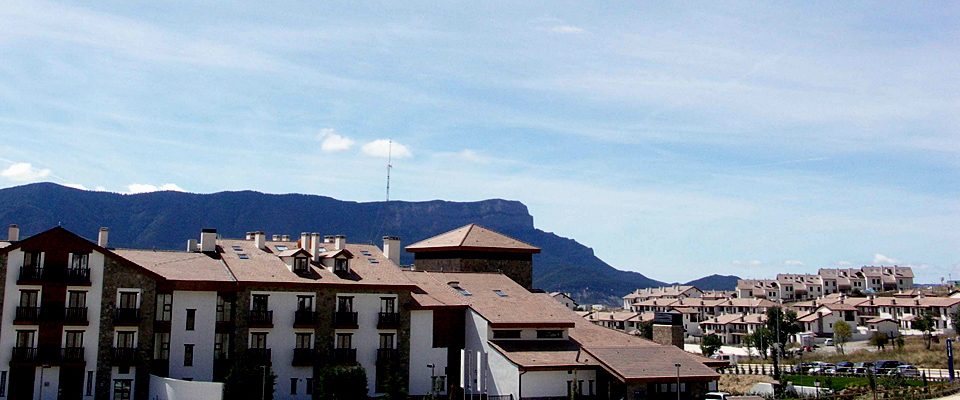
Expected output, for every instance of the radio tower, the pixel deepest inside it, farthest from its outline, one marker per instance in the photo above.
(389, 167)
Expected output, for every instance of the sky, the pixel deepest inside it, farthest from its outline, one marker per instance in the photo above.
(676, 140)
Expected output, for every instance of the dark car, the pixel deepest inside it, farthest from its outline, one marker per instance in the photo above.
(844, 367)
(886, 366)
(862, 368)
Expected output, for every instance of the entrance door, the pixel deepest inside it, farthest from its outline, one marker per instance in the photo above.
(71, 383)
(21, 382)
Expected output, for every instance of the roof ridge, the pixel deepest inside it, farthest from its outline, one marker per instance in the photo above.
(467, 233)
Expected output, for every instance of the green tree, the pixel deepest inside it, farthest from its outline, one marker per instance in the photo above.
(781, 325)
(646, 330)
(842, 332)
(761, 340)
(879, 340)
(245, 381)
(748, 343)
(898, 342)
(710, 344)
(394, 387)
(925, 325)
(341, 383)
(955, 320)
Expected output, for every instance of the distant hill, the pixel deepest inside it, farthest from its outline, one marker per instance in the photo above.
(716, 282)
(165, 220)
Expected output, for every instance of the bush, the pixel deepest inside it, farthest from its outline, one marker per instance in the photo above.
(341, 383)
(245, 381)
(710, 344)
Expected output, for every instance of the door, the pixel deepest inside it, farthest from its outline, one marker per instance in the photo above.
(21, 382)
(71, 383)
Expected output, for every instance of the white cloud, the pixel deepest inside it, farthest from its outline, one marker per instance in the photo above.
(100, 189)
(331, 142)
(750, 263)
(135, 188)
(884, 260)
(472, 156)
(844, 263)
(76, 186)
(566, 29)
(382, 147)
(24, 172)
(794, 263)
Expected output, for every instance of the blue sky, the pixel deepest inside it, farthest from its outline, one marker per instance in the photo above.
(677, 141)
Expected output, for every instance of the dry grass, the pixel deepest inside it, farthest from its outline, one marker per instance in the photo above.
(740, 384)
(914, 352)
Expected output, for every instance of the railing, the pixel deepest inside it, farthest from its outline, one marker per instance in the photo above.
(304, 317)
(28, 314)
(124, 355)
(67, 275)
(75, 314)
(31, 274)
(259, 356)
(126, 316)
(71, 354)
(345, 356)
(387, 355)
(261, 317)
(388, 320)
(303, 357)
(24, 354)
(343, 319)
(77, 275)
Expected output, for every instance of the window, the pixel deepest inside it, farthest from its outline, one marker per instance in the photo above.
(76, 299)
(300, 264)
(373, 261)
(121, 389)
(161, 348)
(31, 259)
(386, 340)
(164, 307)
(345, 304)
(128, 300)
(388, 305)
(461, 290)
(293, 385)
(506, 334)
(221, 346)
(25, 338)
(188, 355)
(258, 340)
(439, 384)
(191, 319)
(28, 298)
(281, 248)
(260, 302)
(73, 339)
(125, 339)
(237, 249)
(304, 303)
(551, 334)
(79, 260)
(224, 309)
(243, 256)
(500, 293)
(364, 252)
(304, 341)
(89, 383)
(344, 340)
(341, 266)
(3, 384)
(309, 388)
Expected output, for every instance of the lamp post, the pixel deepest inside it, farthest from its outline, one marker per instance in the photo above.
(816, 386)
(678, 379)
(433, 380)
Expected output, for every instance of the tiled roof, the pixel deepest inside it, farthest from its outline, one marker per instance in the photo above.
(533, 354)
(472, 237)
(651, 363)
(180, 265)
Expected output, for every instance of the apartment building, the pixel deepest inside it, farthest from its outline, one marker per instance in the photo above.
(732, 328)
(82, 320)
(665, 293)
(800, 287)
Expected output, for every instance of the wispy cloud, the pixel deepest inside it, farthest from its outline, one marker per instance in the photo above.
(24, 172)
(880, 259)
(794, 263)
(383, 148)
(566, 29)
(752, 263)
(331, 142)
(75, 186)
(844, 263)
(135, 188)
(472, 156)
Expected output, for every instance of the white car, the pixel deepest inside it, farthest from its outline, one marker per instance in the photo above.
(908, 371)
(716, 396)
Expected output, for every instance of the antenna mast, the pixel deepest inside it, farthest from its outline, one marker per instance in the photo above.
(389, 167)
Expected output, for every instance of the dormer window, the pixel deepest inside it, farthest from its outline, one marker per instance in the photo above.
(300, 265)
(549, 334)
(341, 266)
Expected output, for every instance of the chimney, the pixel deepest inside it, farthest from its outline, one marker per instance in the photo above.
(285, 238)
(341, 241)
(305, 240)
(315, 246)
(249, 235)
(391, 248)
(102, 237)
(328, 239)
(191, 245)
(260, 239)
(13, 234)
(208, 240)
(275, 238)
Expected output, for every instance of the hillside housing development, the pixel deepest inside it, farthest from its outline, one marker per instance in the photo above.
(82, 320)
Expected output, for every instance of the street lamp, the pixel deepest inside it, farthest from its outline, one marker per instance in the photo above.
(816, 386)
(678, 379)
(433, 380)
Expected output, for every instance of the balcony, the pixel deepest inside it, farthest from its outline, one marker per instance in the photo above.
(304, 319)
(27, 315)
(75, 315)
(387, 355)
(345, 320)
(74, 276)
(124, 355)
(388, 320)
(345, 356)
(48, 355)
(127, 316)
(71, 354)
(24, 354)
(261, 318)
(259, 356)
(30, 275)
(77, 276)
(304, 357)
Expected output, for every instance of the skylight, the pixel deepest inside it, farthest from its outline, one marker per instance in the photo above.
(373, 261)
(500, 293)
(243, 256)
(237, 248)
(281, 248)
(462, 291)
(364, 252)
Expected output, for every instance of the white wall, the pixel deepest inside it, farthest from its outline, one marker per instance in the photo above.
(366, 339)
(475, 347)
(202, 337)
(554, 383)
(422, 352)
(282, 339)
(504, 375)
(175, 389)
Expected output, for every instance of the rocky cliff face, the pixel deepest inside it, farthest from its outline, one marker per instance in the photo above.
(165, 220)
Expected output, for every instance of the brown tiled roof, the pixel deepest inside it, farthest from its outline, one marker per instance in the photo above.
(433, 293)
(879, 319)
(472, 237)
(651, 363)
(180, 265)
(840, 307)
(544, 354)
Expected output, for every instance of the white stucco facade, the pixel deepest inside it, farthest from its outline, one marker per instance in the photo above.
(422, 353)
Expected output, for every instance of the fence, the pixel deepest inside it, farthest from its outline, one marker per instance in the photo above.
(932, 375)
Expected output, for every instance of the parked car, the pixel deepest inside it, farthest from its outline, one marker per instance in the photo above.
(863, 368)
(828, 342)
(716, 396)
(808, 367)
(885, 366)
(844, 367)
(907, 371)
(821, 369)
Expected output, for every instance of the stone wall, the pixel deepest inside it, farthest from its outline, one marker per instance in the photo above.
(117, 276)
(668, 335)
(518, 267)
